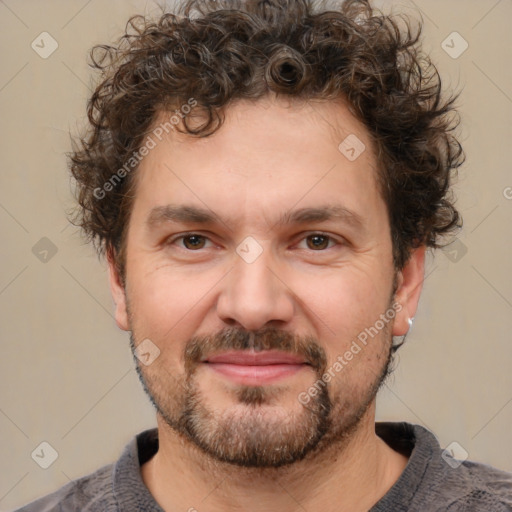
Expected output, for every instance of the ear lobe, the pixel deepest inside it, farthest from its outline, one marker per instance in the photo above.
(410, 284)
(118, 295)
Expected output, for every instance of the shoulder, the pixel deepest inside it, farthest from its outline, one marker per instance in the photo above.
(114, 487)
(91, 493)
(474, 486)
(435, 481)
(464, 485)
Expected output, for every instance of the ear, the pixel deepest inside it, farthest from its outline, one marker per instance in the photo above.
(118, 294)
(410, 283)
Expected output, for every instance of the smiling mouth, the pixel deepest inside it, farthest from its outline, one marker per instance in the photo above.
(255, 368)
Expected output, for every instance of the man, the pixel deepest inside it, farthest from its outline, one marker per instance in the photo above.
(265, 178)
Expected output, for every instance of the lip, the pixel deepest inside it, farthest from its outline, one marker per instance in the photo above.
(253, 358)
(255, 368)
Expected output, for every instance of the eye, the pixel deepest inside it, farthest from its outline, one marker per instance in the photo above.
(319, 242)
(192, 241)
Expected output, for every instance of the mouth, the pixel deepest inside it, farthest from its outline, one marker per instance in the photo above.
(255, 368)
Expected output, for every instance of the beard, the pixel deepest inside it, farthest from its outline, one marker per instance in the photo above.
(259, 432)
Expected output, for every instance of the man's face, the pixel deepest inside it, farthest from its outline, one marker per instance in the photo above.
(254, 258)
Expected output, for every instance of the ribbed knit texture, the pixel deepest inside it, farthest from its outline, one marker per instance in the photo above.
(428, 483)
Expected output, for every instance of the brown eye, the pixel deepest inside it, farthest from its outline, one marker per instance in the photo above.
(193, 242)
(317, 242)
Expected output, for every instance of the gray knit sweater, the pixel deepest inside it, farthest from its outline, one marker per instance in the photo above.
(430, 482)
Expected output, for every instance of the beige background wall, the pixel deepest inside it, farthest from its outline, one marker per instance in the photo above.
(67, 376)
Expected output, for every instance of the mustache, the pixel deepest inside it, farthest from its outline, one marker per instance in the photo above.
(200, 347)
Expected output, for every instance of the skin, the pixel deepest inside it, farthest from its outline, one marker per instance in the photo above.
(270, 157)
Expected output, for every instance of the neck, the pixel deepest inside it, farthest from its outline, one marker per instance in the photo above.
(351, 475)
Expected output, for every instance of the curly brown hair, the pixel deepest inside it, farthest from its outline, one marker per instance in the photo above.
(219, 51)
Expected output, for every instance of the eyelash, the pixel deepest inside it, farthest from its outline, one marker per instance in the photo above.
(315, 233)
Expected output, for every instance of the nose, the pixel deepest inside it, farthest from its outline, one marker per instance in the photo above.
(255, 295)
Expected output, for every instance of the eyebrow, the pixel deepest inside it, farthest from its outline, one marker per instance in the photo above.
(184, 214)
(322, 214)
(196, 215)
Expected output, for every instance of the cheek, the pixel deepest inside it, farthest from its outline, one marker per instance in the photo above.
(168, 307)
(343, 304)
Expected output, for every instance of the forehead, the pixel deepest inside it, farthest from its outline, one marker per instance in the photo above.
(267, 156)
